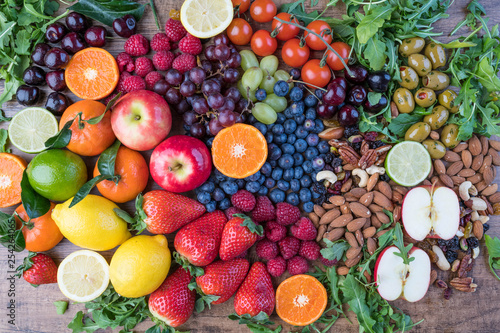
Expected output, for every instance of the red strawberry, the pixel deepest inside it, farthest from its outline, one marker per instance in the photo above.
(38, 268)
(173, 301)
(256, 293)
(162, 212)
(239, 234)
(199, 241)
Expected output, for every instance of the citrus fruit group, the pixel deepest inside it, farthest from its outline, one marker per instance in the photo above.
(11, 174)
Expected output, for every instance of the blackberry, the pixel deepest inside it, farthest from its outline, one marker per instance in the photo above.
(472, 242)
(328, 168)
(351, 130)
(384, 178)
(375, 144)
(486, 227)
(329, 157)
(451, 256)
(356, 145)
(319, 188)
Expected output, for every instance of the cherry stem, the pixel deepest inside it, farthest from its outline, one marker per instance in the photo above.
(309, 84)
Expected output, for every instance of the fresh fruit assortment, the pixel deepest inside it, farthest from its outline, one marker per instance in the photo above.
(364, 162)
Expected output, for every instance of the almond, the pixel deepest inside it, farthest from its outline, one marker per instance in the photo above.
(488, 175)
(372, 181)
(366, 199)
(349, 197)
(375, 208)
(396, 213)
(494, 156)
(446, 180)
(457, 180)
(494, 198)
(321, 232)
(484, 145)
(349, 167)
(358, 192)
(454, 168)
(356, 224)
(434, 135)
(341, 221)
(359, 210)
(367, 224)
(382, 200)
(434, 276)
(475, 179)
(337, 200)
(466, 159)
(385, 189)
(477, 161)
(320, 211)
(480, 186)
(352, 262)
(314, 218)
(477, 229)
(487, 160)
(332, 133)
(351, 239)
(400, 189)
(375, 221)
(494, 144)
(359, 236)
(467, 173)
(383, 218)
(490, 189)
(347, 185)
(475, 146)
(371, 245)
(353, 252)
(451, 156)
(342, 270)
(381, 232)
(369, 232)
(460, 147)
(489, 207)
(344, 209)
(439, 167)
(328, 206)
(329, 216)
(334, 234)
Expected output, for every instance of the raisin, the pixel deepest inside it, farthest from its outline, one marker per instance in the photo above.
(319, 188)
(376, 144)
(356, 145)
(486, 227)
(370, 136)
(351, 130)
(329, 158)
(473, 242)
(384, 177)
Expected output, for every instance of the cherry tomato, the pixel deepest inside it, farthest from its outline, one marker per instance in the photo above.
(293, 54)
(285, 31)
(321, 28)
(263, 10)
(243, 5)
(239, 32)
(263, 44)
(333, 61)
(314, 74)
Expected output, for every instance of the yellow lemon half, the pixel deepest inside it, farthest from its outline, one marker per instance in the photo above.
(206, 18)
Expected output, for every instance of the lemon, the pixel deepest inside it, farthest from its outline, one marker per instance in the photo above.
(31, 127)
(83, 275)
(408, 163)
(206, 18)
(140, 265)
(91, 223)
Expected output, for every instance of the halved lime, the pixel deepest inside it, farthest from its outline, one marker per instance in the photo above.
(30, 128)
(408, 163)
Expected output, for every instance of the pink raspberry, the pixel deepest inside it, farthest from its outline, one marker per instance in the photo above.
(274, 231)
(304, 229)
(309, 250)
(327, 262)
(264, 210)
(231, 211)
(174, 30)
(143, 66)
(160, 42)
(190, 44)
(162, 60)
(266, 249)
(286, 214)
(289, 246)
(297, 265)
(277, 266)
(133, 83)
(137, 45)
(184, 62)
(151, 79)
(243, 200)
(125, 62)
(119, 86)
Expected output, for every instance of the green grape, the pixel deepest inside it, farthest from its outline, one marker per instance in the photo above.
(282, 75)
(243, 92)
(264, 113)
(269, 64)
(277, 103)
(252, 77)
(248, 59)
(267, 83)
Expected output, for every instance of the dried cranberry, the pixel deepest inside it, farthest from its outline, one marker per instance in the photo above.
(370, 136)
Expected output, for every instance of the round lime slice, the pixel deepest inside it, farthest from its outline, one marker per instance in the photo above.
(408, 163)
(30, 128)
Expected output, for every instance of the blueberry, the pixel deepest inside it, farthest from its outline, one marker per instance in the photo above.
(281, 88)
(300, 145)
(274, 164)
(253, 178)
(286, 161)
(300, 119)
(274, 152)
(219, 176)
(211, 206)
(270, 126)
(298, 158)
(298, 172)
(309, 125)
(277, 195)
(288, 113)
(261, 127)
(241, 183)
(280, 138)
(305, 195)
(323, 147)
(308, 207)
(262, 179)
(295, 73)
(301, 132)
(319, 126)
(318, 163)
(208, 187)
(311, 153)
(262, 191)
(288, 174)
(310, 101)
(297, 108)
(312, 140)
(266, 169)
(290, 126)
(318, 93)
(229, 187)
(316, 195)
(295, 185)
(296, 94)
(203, 197)
(278, 129)
(291, 138)
(210, 141)
(251, 119)
(293, 199)
(280, 118)
(305, 181)
(269, 137)
(310, 113)
(287, 148)
(260, 94)
(277, 174)
(283, 185)
(269, 183)
(225, 204)
(307, 166)
(252, 187)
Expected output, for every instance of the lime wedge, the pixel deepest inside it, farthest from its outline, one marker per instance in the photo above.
(30, 128)
(408, 163)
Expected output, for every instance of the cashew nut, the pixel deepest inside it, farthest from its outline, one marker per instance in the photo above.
(474, 216)
(475, 252)
(483, 219)
(442, 263)
(478, 204)
(459, 233)
(375, 169)
(467, 189)
(326, 174)
(363, 177)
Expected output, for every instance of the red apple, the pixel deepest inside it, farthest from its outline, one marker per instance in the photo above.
(141, 120)
(180, 164)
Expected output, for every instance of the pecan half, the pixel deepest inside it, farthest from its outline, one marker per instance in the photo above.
(383, 149)
(338, 143)
(464, 284)
(465, 266)
(368, 159)
(364, 147)
(349, 155)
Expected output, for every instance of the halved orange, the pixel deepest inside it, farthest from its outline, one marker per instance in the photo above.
(301, 300)
(239, 151)
(11, 174)
(92, 73)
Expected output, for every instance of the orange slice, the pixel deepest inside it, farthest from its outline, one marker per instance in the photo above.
(301, 300)
(11, 174)
(92, 73)
(239, 151)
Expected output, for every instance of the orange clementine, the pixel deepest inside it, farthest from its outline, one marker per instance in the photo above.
(11, 174)
(133, 172)
(239, 151)
(87, 139)
(92, 73)
(301, 300)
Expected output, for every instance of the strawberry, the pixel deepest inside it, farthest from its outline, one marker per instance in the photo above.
(199, 241)
(173, 302)
(239, 234)
(256, 293)
(37, 269)
(162, 212)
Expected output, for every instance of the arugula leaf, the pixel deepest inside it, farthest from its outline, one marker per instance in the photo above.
(402, 123)
(256, 323)
(355, 295)
(404, 250)
(493, 246)
(34, 204)
(374, 53)
(372, 21)
(105, 11)
(3, 141)
(4, 118)
(61, 307)
(487, 76)
(334, 250)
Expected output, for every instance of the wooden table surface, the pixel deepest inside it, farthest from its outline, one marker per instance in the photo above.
(34, 312)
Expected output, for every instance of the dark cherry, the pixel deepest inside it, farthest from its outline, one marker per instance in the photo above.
(96, 36)
(55, 80)
(173, 96)
(76, 22)
(340, 80)
(34, 76)
(358, 74)
(382, 103)
(197, 130)
(173, 77)
(73, 43)
(210, 53)
(335, 94)
(357, 95)
(56, 103)
(38, 54)
(125, 26)
(325, 111)
(379, 81)
(27, 95)
(161, 87)
(348, 115)
(221, 39)
(55, 32)
(56, 58)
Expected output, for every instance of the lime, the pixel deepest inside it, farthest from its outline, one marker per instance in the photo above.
(30, 128)
(408, 163)
(57, 174)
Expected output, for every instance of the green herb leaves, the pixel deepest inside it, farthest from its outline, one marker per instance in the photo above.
(334, 250)
(105, 11)
(373, 20)
(493, 245)
(10, 237)
(404, 250)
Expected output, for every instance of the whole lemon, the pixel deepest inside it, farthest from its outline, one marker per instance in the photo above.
(140, 265)
(91, 223)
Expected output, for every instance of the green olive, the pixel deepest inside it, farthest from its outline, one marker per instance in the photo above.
(435, 148)
(425, 97)
(404, 100)
(449, 136)
(409, 78)
(436, 80)
(446, 99)
(438, 117)
(420, 63)
(418, 132)
(435, 53)
(410, 46)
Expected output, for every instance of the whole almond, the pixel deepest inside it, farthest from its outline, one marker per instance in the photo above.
(328, 205)
(383, 201)
(334, 234)
(329, 216)
(367, 277)
(349, 167)
(359, 236)
(366, 199)
(351, 239)
(457, 180)
(494, 156)
(359, 210)
(349, 197)
(484, 145)
(341, 221)
(434, 276)
(487, 160)
(320, 211)
(371, 245)
(475, 179)
(466, 159)
(332, 133)
(375, 208)
(446, 180)
(475, 146)
(372, 181)
(337, 200)
(477, 161)
(314, 218)
(431, 173)
(368, 223)
(434, 135)
(451, 156)
(477, 229)
(369, 232)
(454, 168)
(353, 252)
(460, 147)
(494, 144)
(400, 189)
(488, 175)
(383, 218)
(380, 233)
(358, 192)
(490, 189)
(385, 189)
(439, 167)
(356, 224)
(352, 262)
(489, 209)
(321, 232)
(427, 182)
(344, 209)
(396, 213)
(467, 173)
(347, 186)
(342, 270)
(480, 185)
(494, 198)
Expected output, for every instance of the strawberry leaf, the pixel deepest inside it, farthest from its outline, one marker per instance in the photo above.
(251, 225)
(184, 262)
(136, 222)
(27, 263)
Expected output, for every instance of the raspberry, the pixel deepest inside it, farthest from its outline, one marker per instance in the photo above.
(190, 44)
(264, 210)
(231, 211)
(274, 231)
(143, 66)
(276, 267)
(174, 30)
(151, 79)
(327, 262)
(137, 45)
(266, 249)
(125, 62)
(242, 255)
(133, 83)
(297, 265)
(162, 60)
(289, 246)
(304, 229)
(119, 86)
(286, 214)
(160, 42)
(243, 200)
(309, 250)
(184, 62)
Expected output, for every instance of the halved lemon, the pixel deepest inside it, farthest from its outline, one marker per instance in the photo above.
(83, 276)
(31, 127)
(206, 18)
